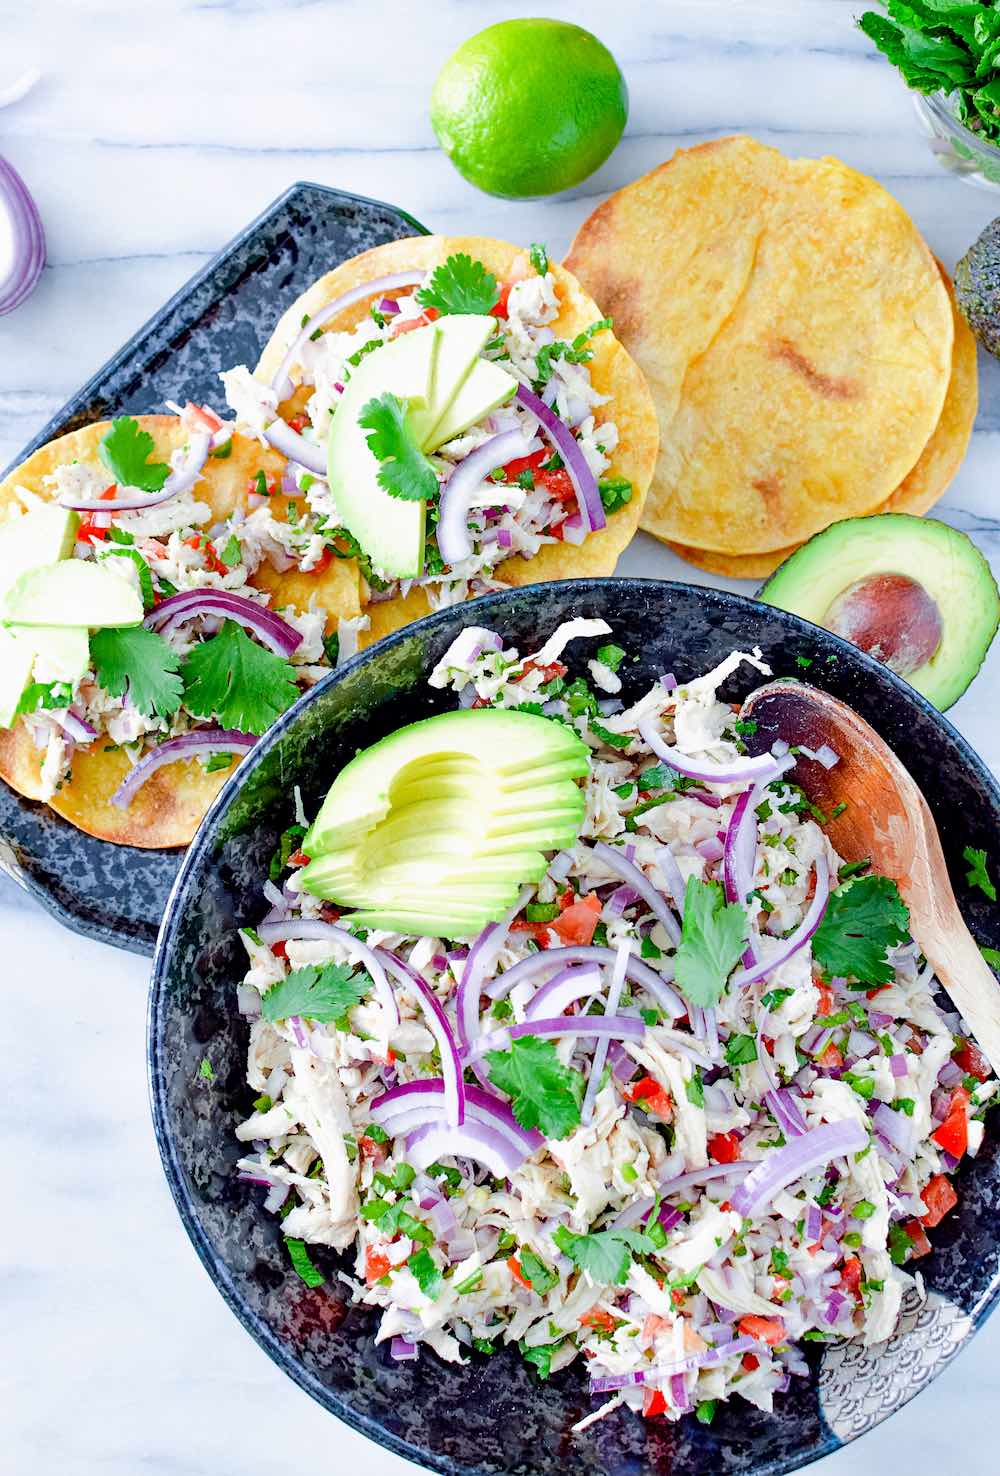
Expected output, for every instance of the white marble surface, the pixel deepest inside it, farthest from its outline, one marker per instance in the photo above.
(157, 132)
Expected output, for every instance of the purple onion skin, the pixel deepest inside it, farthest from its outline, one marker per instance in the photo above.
(28, 236)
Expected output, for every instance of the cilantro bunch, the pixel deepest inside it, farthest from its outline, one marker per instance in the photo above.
(944, 46)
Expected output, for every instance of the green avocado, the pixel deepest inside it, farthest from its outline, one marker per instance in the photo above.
(442, 822)
(913, 592)
(42, 536)
(72, 593)
(486, 388)
(977, 287)
(462, 338)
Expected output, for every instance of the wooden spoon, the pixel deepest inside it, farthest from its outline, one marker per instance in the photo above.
(886, 818)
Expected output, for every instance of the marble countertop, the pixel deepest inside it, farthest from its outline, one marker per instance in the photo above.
(154, 135)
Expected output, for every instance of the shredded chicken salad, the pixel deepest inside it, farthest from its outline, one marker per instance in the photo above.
(710, 1100)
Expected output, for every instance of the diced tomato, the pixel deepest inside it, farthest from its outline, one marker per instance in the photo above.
(915, 1042)
(921, 1245)
(514, 1267)
(556, 531)
(203, 416)
(826, 998)
(270, 486)
(972, 1061)
(953, 1134)
(322, 563)
(939, 1197)
(577, 924)
(724, 1147)
(499, 310)
(298, 858)
(279, 949)
(654, 1402)
(377, 1152)
(850, 1277)
(677, 1297)
(874, 993)
(598, 1318)
(407, 325)
(204, 546)
(549, 672)
(431, 313)
(539, 931)
(298, 422)
(513, 469)
(648, 1094)
(329, 913)
(832, 1058)
(750, 1363)
(769, 1330)
(557, 484)
(376, 1265)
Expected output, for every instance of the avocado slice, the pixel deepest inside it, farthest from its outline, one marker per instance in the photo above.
(487, 387)
(72, 593)
(462, 337)
(913, 592)
(424, 924)
(389, 529)
(438, 823)
(44, 535)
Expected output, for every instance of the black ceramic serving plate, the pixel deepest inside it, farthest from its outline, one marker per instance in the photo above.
(223, 316)
(494, 1416)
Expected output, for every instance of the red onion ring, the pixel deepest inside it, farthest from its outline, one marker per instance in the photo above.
(585, 486)
(281, 383)
(636, 878)
(577, 981)
(451, 1063)
(552, 958)
(601, 1049)
(810, 922)
(761, 770)
(452, 531)
(473, 1140)
(178, 481)
(269, 628)
(783, 1166)
(739, 857)
(426, 1097)
(186, 745)
(616, 1027)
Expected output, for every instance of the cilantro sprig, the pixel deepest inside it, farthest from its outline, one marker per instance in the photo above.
(712, 940)
(234, 679)
(137, 660)
(325, 994)
(543, 1093)
(606, 1255)
(405, 471)
(864, 918)
(977, 875)
(945, 46)
(460, 285)
(125, 451)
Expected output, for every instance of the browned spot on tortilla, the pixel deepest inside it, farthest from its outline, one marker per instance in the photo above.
(826, 385)
(769, 488)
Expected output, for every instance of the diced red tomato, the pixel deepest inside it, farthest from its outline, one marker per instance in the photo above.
(598, 1318)
(377, 1265)
(654, 1402)
(203, 416)
(204, 546)
(577, 924)
(539, 931)
(298, 422)
(549, 672)
(557, 484)
(653, 1324)
(648, 1094)
(826, 998)
(556, 531)
(850, 1277)
(921, 1245)
(279, 949)
(499, 310)
(724, 1147)
(972, 1061)
(832, 1058)
(270, 486)
(514, 1267)
(90, 531)
(322, 563)
(513, 469)
(769, 1330)
(298, 858)
(750, 1363)
(953, 1134)
(874, 993)
(939, 1197)
(407, 325)
(377, 1152)
(677, 1297)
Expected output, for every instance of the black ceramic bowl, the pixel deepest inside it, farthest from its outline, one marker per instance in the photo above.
(494, 1416)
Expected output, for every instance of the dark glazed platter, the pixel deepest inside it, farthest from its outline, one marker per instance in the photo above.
(493, 1416)
(223, 316)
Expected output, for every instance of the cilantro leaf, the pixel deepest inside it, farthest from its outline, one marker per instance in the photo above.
(991, 955)
(606, 1256)
(405, 471)
(232, 553)
(299, 1257)
(534, 1269)
(142, 568)
(939, 45)
(864, 918)
(138, 660)
(460, 285)
(544, 1093)
(712, 940)
(539, 258)
(237, 681)
(740, 1050)
(325, 993)
(40, 695)
(977, 875)
(125, 451)
(540, 1356)
(427, 1272)
(205, 1069)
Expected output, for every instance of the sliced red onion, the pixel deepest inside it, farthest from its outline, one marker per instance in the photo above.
(27, 240)
(74, 726)
(314, 930)
(760, 770)
(585, 486)
(655, 1373)
(504, 537)
(269, 628)
(785, 1165)
(813, 1223)
(764, 1059)
(617, 1027)
(796, 940)
(621, 898)
(834, 1307)
(786, 1112)
(427, 1096)
(676, 885)
(289, 486)
(307, 453)
(735, 1170)
(949, 1076)
(896, 1127)
(601, 1049)
(402, 1350)
(186, 745)
(281, 383)
(623, 1068)
(879, 1019)
(473, 1140)
(635, 877)
(178, 481)
(860, 1044)
(668, 681)
(481, 962)
(388, 306)
(739, 860)
(678, 1394)
(552, 958)
(451, 1065)
(710, 850)
(452, 532)
(577, 981)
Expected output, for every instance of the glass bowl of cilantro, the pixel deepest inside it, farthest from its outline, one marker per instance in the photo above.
(949, 56)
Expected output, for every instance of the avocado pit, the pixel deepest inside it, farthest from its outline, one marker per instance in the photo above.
(892, 617)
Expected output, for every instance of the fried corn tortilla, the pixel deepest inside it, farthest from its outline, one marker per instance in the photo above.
(168, 808)
(613, 373)
(794, 331)
(918, 492)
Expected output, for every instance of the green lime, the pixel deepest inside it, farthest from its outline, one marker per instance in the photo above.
(529, 107)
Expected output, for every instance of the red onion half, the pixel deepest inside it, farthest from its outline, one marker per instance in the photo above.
(199, 740)
(22, 240)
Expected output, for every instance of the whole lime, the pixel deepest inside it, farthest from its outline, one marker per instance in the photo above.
(529, 107)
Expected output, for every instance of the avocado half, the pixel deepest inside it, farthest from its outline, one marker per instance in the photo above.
(913, 592)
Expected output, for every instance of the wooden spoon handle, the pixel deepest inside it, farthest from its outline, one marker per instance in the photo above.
(969, 981)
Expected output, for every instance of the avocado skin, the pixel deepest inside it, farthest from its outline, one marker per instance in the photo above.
(977, 287)
(941, 558)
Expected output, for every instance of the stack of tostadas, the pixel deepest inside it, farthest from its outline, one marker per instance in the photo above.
(801, 343)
